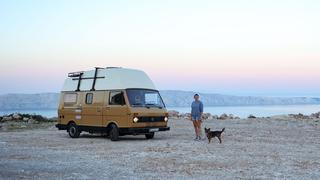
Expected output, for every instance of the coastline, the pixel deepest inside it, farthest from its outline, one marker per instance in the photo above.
(240, 111)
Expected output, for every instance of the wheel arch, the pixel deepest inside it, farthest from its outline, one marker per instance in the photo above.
(71, 121)
(112, 122)
(108, 127)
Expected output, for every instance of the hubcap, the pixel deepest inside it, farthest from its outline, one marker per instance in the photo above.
(72, 130)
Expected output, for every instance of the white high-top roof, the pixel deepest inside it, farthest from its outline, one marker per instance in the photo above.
(114, 78)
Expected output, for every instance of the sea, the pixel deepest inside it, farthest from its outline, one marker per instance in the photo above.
(240, 111)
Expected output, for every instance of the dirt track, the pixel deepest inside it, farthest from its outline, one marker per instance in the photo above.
(257, 148)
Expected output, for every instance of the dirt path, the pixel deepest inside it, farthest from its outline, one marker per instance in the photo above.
(257, 148)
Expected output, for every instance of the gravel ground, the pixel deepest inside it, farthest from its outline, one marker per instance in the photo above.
(251, 149)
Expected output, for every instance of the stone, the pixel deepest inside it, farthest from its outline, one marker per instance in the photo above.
(299, 116)
(315, 115)
(16, 116)
(215, 116)
(7, 118)
(173, 113)
(186, 115)
(25, 119)
(223, 116)
(251, 116)
(31, 121)
(231, 116)
(206, 116)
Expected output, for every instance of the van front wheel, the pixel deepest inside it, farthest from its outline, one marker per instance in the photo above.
(114, 133)
(73, 130)
(150, 135)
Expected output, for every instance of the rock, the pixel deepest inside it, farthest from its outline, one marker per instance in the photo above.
(231, 116)
(251, 116)
(186, 115)
(16, 116)
(315, 115)
(236, 117)
(39, 118)
(223, 116)
(299, 116)
(7, 118)
(25, 119)
(173, 113)
(206, 116)
(31, 121)
(215, 116)
(53, 119)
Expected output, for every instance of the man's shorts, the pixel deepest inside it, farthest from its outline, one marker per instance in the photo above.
(195, 117)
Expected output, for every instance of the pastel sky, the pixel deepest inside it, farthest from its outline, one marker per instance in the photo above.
(230, 47)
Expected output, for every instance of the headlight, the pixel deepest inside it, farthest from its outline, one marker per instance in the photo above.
(165, 119)
(135, 119)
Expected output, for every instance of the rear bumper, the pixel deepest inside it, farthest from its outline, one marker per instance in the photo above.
(62, 126)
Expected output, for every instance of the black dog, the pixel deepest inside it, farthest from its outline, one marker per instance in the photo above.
(212, 134)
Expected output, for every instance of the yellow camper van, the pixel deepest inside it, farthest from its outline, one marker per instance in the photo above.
(112, 100)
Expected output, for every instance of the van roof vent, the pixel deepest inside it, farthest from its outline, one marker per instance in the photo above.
(112, 67)
(75, 74)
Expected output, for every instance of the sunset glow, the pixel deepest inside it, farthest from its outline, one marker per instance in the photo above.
(229, 47)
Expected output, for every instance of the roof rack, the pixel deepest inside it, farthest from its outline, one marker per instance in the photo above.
(78, 76)
(95, 78)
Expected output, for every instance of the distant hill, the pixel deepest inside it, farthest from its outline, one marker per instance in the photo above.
(29, 101)
(184, 98)
(170, 97)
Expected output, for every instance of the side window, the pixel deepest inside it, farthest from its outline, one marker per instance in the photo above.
(116, 98)
(89, 98)
(70, 98)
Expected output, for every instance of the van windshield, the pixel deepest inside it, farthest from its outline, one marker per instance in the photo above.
(144, 98)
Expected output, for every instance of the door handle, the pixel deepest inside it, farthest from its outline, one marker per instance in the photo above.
(98, 109)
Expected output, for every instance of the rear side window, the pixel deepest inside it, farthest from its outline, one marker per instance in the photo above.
(89, 98)
(70, 98)
(116, 98)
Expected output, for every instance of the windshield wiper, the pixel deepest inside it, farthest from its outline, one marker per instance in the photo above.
(137, 105)
(154, 105)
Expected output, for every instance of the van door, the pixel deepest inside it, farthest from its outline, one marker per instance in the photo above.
(116, 109)
(92, 109)
(69, 108)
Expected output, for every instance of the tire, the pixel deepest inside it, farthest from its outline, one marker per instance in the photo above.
(73, 130)
(114, 132)
(149, 135)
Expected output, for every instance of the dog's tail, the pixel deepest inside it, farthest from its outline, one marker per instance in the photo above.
(222, 130)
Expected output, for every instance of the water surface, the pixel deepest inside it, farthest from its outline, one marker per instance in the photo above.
(241, 111)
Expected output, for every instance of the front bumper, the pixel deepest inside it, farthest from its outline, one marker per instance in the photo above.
(142, 130)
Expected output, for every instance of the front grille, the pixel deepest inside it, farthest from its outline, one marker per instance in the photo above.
(151, 119)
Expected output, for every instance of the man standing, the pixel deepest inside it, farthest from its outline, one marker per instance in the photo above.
(196, 115)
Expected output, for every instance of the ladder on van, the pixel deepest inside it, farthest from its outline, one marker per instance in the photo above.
(78, 76)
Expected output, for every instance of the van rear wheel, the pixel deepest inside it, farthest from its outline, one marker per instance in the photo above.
(114, 133)
(150, 135)
(73, 130)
